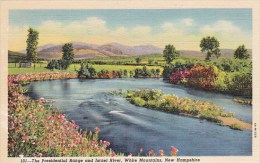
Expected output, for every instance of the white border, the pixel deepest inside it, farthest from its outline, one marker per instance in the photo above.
(5, 6)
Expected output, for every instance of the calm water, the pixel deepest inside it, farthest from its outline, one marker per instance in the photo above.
(129, 127)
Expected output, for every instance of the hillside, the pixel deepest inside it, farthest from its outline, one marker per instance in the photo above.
(85, 50)
(15, 56)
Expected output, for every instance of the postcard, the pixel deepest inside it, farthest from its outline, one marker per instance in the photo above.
(129, 81)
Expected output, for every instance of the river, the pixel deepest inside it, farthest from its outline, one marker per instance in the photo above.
(130, 128)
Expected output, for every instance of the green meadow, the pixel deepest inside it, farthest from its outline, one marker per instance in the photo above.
(40, 68)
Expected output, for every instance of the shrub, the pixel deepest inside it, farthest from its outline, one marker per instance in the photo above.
(53, 64)
(241, 84)
(138, 101)
(152, 103)
(221, 81)
(235, 127)
(144, 72)
(202, 77)
(243, 101)
(209, 115)
(178, 76)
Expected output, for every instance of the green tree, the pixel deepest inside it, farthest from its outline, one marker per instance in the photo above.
(241, 52)
(146, 72)
(32, 43)
(138, 60)
(153, 72)
(170, 53)
(210, 46)
(125, 73)
(67, 55)
(157, 72)
(131, 73)
(92, 71)
(150, 61)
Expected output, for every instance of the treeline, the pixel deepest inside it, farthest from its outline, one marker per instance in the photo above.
(149, 59)
(87, 71)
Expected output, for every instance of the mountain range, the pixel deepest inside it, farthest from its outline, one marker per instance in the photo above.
(85, 50)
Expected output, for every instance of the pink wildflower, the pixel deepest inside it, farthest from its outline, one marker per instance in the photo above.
(113, 154)
(107, 143)
(161, 152)
(97, 129)
(25, 138)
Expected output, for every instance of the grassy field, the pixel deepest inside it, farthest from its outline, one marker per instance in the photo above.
(129, 59)
(39, 68)
(15, 56)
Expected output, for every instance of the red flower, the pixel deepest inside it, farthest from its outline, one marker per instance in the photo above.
(25, 138)
(113, 154)
(174, 151)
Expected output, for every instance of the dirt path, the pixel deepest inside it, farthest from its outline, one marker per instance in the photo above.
(227, 121)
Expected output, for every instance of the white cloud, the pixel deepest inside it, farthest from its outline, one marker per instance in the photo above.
(51, 24)
(221, 26)
(95, 30)
(228, 34)
(187, 21)
(168, 26)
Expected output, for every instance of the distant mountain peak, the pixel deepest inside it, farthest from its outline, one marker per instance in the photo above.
(86, 50)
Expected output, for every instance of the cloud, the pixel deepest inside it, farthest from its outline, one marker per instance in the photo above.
(228, 34)
(51, 24)
(187, 21)
(183, 34)
(221, 26)
(168, 27)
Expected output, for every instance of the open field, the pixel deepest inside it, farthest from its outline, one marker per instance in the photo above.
(155, 58)
(39, 68)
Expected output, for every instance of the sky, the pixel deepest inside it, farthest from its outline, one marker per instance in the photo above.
(184, 28)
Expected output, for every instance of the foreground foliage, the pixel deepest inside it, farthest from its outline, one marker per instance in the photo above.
(36, 129)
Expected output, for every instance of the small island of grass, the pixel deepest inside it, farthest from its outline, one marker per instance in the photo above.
(155, 99)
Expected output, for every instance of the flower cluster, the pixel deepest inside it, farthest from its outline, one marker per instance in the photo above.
(178, 76)
(202, 77)
(27, 78)
(36, 129)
